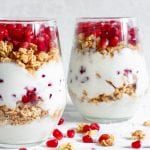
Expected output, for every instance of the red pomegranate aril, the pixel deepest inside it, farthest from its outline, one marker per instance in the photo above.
(104, 43)
(136, 144)
(86, 128)
(24, 45)
(132, 32)
(23, 149)
(61, 121)
(70, 133)
(94, 126)
(25, 99)
(114, 41)
(103, 137)
(87, 139)
(52, 143)
(57, 134)
(10, 27)
(41, 44)
(19, 26)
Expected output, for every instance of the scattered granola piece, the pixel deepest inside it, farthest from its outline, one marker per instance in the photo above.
(106, 140)
(147, 123)
(67, 146)
(138, 135)
(79, 128)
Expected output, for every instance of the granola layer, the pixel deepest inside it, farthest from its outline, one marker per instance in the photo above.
(30, 59)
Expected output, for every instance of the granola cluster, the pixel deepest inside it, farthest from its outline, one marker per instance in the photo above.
(85, 44)
(30, 58)
(116, 95)
(67, 146)
(138, 135)
(22, 114)
(107, 141)
(147, 123)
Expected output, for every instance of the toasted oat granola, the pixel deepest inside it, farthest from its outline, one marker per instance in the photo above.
(147, 123)
(67, 146)
(22, 114)
(138, 135)
(30, 59)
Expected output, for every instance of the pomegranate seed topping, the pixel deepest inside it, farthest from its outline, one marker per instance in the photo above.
(61, 121)
(24, 45)
(95, 126)
(19, 26)
(57, 134)
(86, 128)
(71, 133)
(103, 137)
(52, 143)
(114, 41)
(104, 43)
(87, 139)
(25, 99)
(22, 148)
(136, 144)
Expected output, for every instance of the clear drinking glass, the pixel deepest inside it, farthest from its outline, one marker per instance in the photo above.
(107, 74)
(32, 88)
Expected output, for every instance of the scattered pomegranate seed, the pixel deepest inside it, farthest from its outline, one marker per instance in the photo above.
(22, 148)
(103, 137)
(95, 126)
(52, 143)
(57, 134)
(136, 144)
(87, 139)
(86, 128)
(71, 133)
(61, 121)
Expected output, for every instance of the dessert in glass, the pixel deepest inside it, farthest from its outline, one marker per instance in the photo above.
(107, 74)
(32, 87)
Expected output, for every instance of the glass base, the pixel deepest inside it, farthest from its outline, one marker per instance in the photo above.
(14, 146)
(106, 120)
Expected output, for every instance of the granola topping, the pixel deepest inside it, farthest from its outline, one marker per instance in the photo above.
(147, 123)
(30, 58)
(67, 146)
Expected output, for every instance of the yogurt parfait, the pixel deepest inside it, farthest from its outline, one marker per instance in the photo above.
(32, 88)
(107, 74)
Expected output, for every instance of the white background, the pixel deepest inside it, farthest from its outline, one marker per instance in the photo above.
(65, 11)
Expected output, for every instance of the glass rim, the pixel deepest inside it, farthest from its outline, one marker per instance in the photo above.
(104, 18)
(27, 20)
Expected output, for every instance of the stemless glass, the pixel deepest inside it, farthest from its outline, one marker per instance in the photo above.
(32, 87)
(107, 74)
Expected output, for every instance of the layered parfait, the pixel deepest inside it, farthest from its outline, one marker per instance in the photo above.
(32, 89)
(107, 73)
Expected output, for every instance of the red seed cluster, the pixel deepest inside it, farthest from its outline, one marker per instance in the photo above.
(109, 32)
(136, 144)
(22, 35)
(30, 96)
(92, 126)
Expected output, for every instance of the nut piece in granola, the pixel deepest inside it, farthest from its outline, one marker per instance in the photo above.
(147, 123)
(106, 140)
(66, 146)
(138, 135)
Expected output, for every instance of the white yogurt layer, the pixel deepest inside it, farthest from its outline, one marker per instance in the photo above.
(36, 131)
(16, 79)
(107, 67)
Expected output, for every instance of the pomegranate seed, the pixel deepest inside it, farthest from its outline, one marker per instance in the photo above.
(136, 144)
(95, 126)
(22, 148)
(52, 143)
(24, 45)
(19, 26)
(70, 133)
(114, 41)
(133, 41)
(61, 121)
(57, 134)
(87, 139)
(103, 137)
(86, 128)
(25, 99)
(104, 43)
